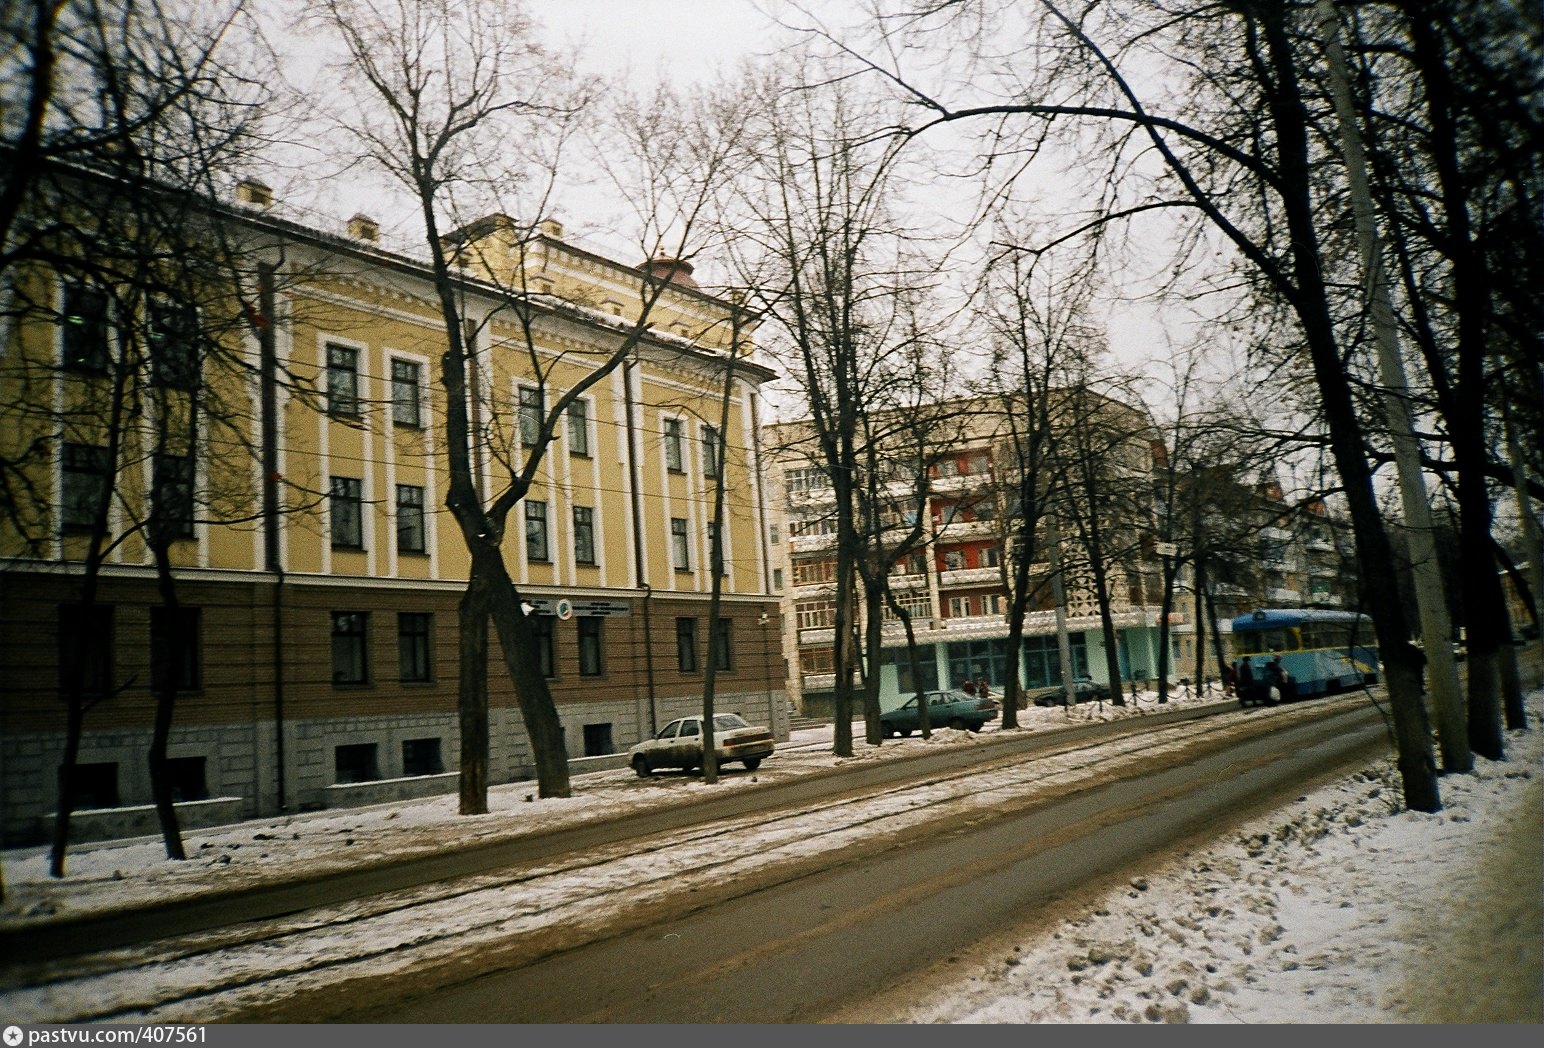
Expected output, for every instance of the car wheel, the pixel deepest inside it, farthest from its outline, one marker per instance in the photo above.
(978, 725)
(905, 733)
(641, 766)
(891, 731)
(957, 724)
(752, 763)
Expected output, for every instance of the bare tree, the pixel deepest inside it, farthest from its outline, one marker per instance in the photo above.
(832, 273)
(135, 112)
(1244, 157)
(458, 104)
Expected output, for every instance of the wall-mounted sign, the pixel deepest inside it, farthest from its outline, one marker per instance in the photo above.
(577, 608)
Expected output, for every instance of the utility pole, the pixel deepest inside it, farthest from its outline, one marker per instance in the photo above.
(1059, 594)
(1436, 628)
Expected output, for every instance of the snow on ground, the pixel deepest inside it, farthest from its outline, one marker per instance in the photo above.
(1306, 915)
(1339, 908)
(117, 874)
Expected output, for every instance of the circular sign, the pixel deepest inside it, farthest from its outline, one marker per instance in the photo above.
(565, 609)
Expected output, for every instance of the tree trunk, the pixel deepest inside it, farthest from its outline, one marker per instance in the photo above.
(1484, 601)
(1402, 662)
(165, 703)
(472, 697)
(1163, 629)
(75, 719)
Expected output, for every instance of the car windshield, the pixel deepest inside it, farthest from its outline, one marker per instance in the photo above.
(729, 720)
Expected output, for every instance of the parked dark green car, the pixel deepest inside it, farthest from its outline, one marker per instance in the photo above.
(945, 709)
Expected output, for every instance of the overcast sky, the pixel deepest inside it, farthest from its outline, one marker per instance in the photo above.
(685, 40)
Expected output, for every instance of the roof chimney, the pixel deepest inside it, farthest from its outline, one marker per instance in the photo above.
(363, 227)
(253, 193)
(675, 270)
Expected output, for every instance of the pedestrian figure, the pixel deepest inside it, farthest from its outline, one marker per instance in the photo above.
(969, 687)
(1229, 681)
(1246, 692)
(983, 689)
(1280, 680)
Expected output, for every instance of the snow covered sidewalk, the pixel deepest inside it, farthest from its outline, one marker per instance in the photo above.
(1339, 908)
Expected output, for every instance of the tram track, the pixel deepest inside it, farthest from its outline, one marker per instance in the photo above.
(448, 929)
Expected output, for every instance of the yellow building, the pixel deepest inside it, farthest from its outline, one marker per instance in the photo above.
(317, 569)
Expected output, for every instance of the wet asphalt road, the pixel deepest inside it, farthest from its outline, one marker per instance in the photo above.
(792, 951)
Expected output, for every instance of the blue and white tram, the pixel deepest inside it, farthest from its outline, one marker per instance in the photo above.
(1321, 651)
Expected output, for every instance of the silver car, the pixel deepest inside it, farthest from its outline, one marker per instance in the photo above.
(679, 744)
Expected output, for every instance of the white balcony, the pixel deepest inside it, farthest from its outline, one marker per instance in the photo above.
(1285, 596)
(960, 530)
(971, 576)
(908, 582)
(811, 543)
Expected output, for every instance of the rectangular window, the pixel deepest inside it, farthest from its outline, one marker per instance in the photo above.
(536, 531)
(174, 344)
(806, 478)
(84, 338)
(83, 484)
(584, 535)
(777, 578)
(989, 558)
(686, 645)
(954, 559)
(926, 676)
(712, 452)
(959, 607)
(342, 380)
(355, 763)
(405, 393)
(422, 757)
(815, 614)
(975, 659)
(589, 646)
(349, 665)
(530, 415)
(174, 495)
(597, 740)
(187, 778)
(680, 547)
(992, 604)
(916, 605)
(673, 460)
(174, 649)
(579, 428)
(86, 648)
(817, 660)
(813, 572)
(96, 785)
(723, 635)
(414, 629)
(546, 645)
(410, 518)
(347, 511)
(1042, 659)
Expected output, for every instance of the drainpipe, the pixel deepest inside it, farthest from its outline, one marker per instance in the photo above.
(648, 591)
(273, 561)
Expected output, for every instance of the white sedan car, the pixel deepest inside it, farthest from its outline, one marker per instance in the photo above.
(679, 744)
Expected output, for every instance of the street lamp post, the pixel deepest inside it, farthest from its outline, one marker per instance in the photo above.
(766, 663)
